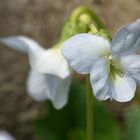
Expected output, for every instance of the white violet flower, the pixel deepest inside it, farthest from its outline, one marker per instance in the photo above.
(5, 135)
(114, 67)
(50, 76)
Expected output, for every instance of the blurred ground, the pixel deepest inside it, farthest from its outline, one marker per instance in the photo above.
(41, 20)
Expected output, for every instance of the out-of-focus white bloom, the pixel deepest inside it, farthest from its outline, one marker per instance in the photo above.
(114, 67)
(50, 76)
(5, 136)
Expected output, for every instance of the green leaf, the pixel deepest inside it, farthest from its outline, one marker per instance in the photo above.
(132, 117)
(77, 134)
(40, 128)
(105, 126)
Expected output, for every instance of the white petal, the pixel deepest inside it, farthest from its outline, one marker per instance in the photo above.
(83, 49)
(123, 88)
(5, 136)
(120, 87)
(50, 62)
(47, 86)
(44, 61)
(21, 43)
(131, 64)
(62, 92)
(99, 79)
(127, 39)
(36, 86)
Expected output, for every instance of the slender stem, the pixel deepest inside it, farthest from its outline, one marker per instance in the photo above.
(89, 111)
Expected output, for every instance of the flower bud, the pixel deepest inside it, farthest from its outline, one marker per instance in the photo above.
(85, 18)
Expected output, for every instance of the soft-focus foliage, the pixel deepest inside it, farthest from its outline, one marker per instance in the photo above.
(70, 122)
(132, 118)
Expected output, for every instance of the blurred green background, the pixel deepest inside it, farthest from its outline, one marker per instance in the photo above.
(26, 119)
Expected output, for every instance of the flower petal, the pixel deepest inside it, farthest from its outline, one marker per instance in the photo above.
(131, 64)
(123, 88)
(21, 43)
(44, 61)
(120, 87)
(62, 92)
(99, 79)
(83, 49)
(36, 86)
(127, 39)
(5, 135)
(47, 86)
(50, 62)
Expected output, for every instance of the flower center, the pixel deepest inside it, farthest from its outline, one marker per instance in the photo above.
(114, 68)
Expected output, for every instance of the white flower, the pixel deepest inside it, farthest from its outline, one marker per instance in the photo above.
(114, 67)
(50, 76)
(5, 136)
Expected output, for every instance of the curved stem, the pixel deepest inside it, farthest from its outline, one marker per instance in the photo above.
(89, 111)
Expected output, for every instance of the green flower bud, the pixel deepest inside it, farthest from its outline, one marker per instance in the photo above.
(85, 18)
(82, 20)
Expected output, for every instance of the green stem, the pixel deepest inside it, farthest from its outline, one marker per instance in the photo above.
(89, 111)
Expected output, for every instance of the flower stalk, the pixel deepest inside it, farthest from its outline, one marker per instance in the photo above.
(85, 20)
(89, 110)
